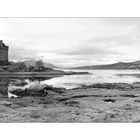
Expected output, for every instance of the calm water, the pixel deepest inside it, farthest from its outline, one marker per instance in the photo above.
(96, 76)
(73, 81)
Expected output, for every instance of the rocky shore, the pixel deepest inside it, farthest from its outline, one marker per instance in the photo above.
(108, 102)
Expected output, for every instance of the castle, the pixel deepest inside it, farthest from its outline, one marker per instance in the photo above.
(3, 54)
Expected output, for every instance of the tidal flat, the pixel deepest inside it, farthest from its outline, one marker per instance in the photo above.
(102, 103)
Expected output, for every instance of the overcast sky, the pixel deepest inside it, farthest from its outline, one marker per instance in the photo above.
(72, 42)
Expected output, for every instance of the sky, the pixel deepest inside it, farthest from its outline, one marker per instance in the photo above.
(72, 42)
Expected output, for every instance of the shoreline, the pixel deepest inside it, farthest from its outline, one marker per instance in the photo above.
(38, 74)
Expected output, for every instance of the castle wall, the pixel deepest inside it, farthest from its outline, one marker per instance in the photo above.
(3, 54)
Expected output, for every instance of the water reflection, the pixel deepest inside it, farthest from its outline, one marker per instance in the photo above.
(97, 76)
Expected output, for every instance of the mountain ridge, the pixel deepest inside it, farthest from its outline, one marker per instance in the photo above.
(118, 65)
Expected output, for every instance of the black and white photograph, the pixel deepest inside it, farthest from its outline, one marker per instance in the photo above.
(70, 70)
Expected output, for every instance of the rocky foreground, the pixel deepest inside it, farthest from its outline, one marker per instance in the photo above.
(94, 103)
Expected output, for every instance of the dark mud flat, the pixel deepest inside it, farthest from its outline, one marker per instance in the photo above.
(91, 104)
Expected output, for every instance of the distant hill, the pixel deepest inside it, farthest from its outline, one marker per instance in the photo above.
(32, 63)
(119, 65)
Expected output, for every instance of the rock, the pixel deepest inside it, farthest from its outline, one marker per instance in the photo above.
(19, 92)
(72, 103)
(36, 90)
(6, 103)
(10, 95)
(109, 100)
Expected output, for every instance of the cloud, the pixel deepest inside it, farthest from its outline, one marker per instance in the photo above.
(89, 50)
(72, 41)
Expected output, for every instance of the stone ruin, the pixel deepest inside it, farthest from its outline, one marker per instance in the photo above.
(3, 54)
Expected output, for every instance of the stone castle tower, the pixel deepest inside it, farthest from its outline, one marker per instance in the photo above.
(3, 54)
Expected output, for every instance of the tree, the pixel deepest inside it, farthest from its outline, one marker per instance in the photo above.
(19, 66)
(39, 65)
(22, 66)
(31, 68)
